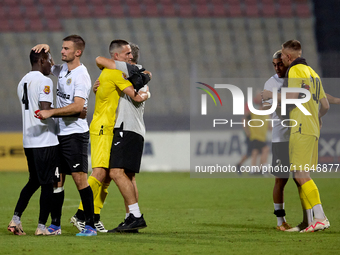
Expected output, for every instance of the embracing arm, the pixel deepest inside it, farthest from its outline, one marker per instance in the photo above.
(136, 96)
(75, 108)
(105, 63)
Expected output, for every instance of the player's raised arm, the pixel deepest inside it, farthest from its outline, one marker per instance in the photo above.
(103, 62)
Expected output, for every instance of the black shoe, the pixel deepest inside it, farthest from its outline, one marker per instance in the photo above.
(130, 225)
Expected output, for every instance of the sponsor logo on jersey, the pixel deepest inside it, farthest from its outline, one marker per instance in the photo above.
(124, 76)
(60, 94)
(47, 90)
(68, 82)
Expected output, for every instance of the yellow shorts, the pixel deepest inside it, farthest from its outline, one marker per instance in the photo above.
(303, 152)
(100, 150)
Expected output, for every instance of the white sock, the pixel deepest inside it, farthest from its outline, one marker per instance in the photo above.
(127, 215)
(318, 212)
(280, 206)
(16, 219)
(134, 209)
(41, 226)
(307, 216)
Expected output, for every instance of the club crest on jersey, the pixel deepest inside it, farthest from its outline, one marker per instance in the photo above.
(68, 82)
(124, 76)
(47, 90)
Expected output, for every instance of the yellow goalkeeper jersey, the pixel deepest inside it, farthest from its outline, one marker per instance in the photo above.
(112, 83)
(301, 75)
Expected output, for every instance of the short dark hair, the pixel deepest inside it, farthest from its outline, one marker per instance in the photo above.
(115, 44)
(77, 40)
(292, 44)
(35, 57)
(135, 52)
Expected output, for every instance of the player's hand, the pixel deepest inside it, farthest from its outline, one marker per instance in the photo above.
(95, 86)
(44, 114)
(36, 114)
(37, 48)
(266, 95)
(83, 113)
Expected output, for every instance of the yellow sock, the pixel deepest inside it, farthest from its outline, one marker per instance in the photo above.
(311, 192)
(100, 198)
(95, 186)
(304, 201)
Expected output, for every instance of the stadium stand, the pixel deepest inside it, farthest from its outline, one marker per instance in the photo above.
(180, 41)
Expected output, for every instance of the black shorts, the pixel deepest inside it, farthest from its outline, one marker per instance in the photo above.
(258, 145)
(42, 163)
(126, 150)
(248, 146)
(280, 162)
(73, 151)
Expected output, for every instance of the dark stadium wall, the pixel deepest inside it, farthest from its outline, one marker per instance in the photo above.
(327, 30)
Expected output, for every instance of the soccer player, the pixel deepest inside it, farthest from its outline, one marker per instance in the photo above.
(280, 145)
(303, 141)
(113, 84)
(35, 91)
(73, 90)
(126, 152)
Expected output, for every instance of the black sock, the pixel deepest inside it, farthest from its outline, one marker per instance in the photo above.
(96, 217)
(80, 215)
(45, 202)
(56, 207)
(86, 196)
(25, 196)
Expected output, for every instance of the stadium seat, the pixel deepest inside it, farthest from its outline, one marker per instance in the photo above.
(53, 24)
(83, 11)
(80, 2)
(185, 10)
(31, 12)
(234, 10)
(202, 10)
(10, 2)
(49, 12)
(152, 10)
(5, 25)
(219, 10)
(19, 25)
(252, 10)
(116, 11)
(135, 10)
(14, 12)
(268, 10)
(66, 11)
(27, 2)
(168, 10)
(36, 25)
(285, 11)
(46, 2)
(99, 11)
(302, 10)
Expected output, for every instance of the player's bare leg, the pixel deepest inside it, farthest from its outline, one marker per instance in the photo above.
(128, 189)
(278, 198)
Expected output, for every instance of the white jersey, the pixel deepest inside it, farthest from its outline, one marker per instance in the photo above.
(71, 84)
(279, 133)
(33, 88)
(129, 112)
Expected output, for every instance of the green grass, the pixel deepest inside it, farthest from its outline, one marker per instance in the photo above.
(184, 216)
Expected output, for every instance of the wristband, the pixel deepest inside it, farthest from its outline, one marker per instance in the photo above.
(149, 94)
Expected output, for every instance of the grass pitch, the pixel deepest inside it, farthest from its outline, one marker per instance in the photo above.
(184, 216)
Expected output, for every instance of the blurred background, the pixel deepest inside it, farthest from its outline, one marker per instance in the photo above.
(181, 42)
